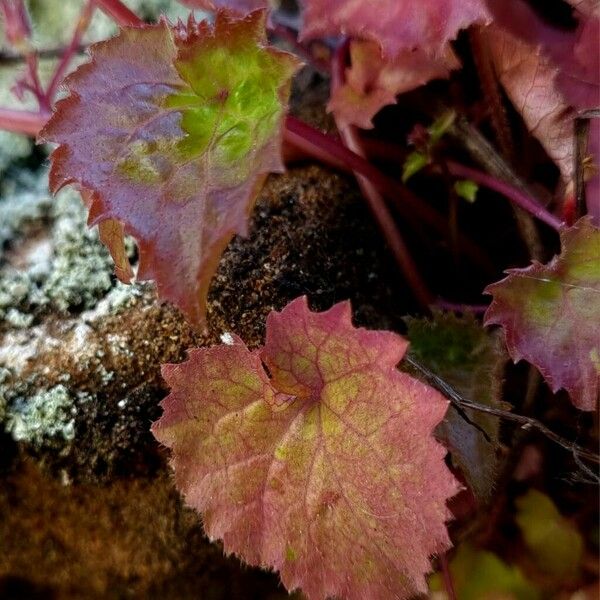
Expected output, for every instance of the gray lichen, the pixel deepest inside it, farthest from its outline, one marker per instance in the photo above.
(82, 268)
(71, 270)
(44, 417)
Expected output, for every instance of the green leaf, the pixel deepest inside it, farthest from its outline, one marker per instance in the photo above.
(466, 189)
(555, 543)
(414, 162)
(440, 126)
(481, 575)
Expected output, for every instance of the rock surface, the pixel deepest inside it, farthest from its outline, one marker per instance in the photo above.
(83, 481)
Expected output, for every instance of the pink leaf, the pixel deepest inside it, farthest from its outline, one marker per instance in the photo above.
(172, 131)
(373, 81)
(560, 71)
(396, 25)
(551, 315)
(243, 7)
(324, 467)
(529, 78)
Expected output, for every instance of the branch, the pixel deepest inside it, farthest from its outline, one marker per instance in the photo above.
(582, 130)
(22, 121)
(526, 422)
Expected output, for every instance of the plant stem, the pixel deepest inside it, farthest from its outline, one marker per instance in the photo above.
(447, 577)
(517, 196)
(494, 164)
(8, 57)
(82, 24)
(526, 422)
(22, 121)
(376, 203)
(122, 15)
(491, 91)
(463, 308)
(330, 150)
(582, 130)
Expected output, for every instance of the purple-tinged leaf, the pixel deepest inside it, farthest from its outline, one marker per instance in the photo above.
(172, 131)
(551, 315)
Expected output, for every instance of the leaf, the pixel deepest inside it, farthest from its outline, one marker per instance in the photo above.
(396, 25)
(414, 162)
(568, 76)
(481, 575)
(551, 315)
(576, 53)
(374, 81)
(173, 131)
(460, 352)
(466, 189)
(322, 467)
(529, 79)
(556, 544)
(243, 7)
(112, 234)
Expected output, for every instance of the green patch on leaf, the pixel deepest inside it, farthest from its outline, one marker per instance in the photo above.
(171, 131)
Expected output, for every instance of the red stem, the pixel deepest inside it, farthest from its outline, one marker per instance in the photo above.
(376, 203)
(22, 121)
(515, 195)
(82, 25)
(447, 576)
(35, 86)
(122, 15)
(477, 309)
(329, 150)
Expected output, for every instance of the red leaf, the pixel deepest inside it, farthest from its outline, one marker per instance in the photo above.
(529, 78)
(324, 469)
(551, 315)
(173, 131)
(396, 25)
(373, 81)
(560, 69)
(243, 7)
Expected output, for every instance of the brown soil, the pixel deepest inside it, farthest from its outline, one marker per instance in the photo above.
(130, 538)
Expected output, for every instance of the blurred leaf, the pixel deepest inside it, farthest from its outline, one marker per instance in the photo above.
(466, 189)
(555, 543)
(481, 575)
(440, 126)
(414, 162)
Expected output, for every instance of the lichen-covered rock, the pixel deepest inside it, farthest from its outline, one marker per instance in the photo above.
(42, 417)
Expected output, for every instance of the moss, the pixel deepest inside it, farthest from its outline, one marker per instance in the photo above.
(40, 418)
